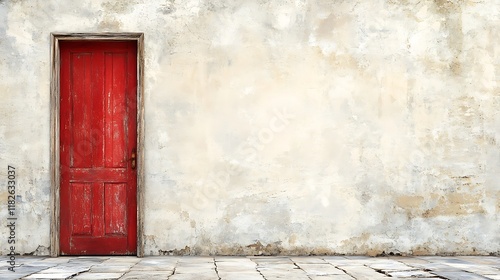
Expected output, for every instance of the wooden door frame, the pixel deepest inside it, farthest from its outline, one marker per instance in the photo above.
(55, 124)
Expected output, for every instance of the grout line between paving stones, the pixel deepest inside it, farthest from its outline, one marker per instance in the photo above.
(345, 271)
(257, 269)
(300, 268)
(216, 270)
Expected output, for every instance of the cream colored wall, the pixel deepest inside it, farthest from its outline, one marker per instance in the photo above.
(284, 127)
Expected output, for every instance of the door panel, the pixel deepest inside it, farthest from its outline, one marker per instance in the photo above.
(81, 199)
(114, 209)
(98, 143)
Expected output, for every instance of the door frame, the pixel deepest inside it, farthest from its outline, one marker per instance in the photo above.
(55, 97)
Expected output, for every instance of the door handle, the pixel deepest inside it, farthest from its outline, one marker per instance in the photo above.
(132, 160)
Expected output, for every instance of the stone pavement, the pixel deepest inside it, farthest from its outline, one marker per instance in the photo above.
(253, 268)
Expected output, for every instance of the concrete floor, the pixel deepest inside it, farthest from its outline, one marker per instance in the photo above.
(250, 268)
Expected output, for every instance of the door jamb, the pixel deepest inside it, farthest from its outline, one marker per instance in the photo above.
(55, 123)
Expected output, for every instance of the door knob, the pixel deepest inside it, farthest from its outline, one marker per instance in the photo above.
(132, 159)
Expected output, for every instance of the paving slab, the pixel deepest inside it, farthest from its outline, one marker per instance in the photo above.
(65, 269)
(145, 275)
(240, 276)
(61, 275)
(287, 277)
(361, 272)
(289, 265)
(476, 268)
(320, 269)
(265, 260)
(494, 276)
(437, 267)
(459, 275)
(204, 276)
(230, 258)
(154, 262)
(331, 277)
(488, 260)
(51, 260)
(12, 276)
(194, 270)
(196, 260)
(312, 260)
(390, 266)
(411, 274)
(98, 276)
(236, 265)
(110, 268)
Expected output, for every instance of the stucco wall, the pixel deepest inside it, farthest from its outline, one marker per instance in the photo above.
(283, 127)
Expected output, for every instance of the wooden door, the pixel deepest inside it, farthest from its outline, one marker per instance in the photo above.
(98, 200)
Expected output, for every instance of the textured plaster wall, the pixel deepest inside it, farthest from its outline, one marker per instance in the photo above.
(283, 127)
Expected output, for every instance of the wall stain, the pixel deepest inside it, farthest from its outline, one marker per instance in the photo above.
(109, 24)
(168, 7)
(451, 10)
(186, 251)
(456, 204)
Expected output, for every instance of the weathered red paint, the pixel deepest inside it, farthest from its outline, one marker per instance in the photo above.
(98, 141)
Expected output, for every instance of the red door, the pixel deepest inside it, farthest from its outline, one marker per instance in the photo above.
(98, 145)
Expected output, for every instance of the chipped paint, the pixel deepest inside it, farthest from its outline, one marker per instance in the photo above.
(393, 146)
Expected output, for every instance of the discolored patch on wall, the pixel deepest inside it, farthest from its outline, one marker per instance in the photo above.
(457, 204)
(451, 10)
(167, 8)
(118, 6)
(109, 24)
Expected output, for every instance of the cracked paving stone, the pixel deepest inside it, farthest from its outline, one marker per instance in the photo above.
(266, 260)
(445, 260)
(235, 269)
(320, 269)
(436, 267)
(240, 276)
(408, 260)
(152, 268)
(66, 269)
(337, 262)
(110, 268)
(146, 275)
(98, 276)
(308, 260)
(331, 277)
(61, 275)
(246, 264)
(7, 274)
(361, 272)
(156, 267)
(155, 263)
(280, 266)
(213, 276)
(190, 259)
(298, 273)
(29, 269)
(197, 265)
(411, 274)
(194, 270)
(391, 266)
(231, 259)
(287, 277)
(88, 260)
(459, 275)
